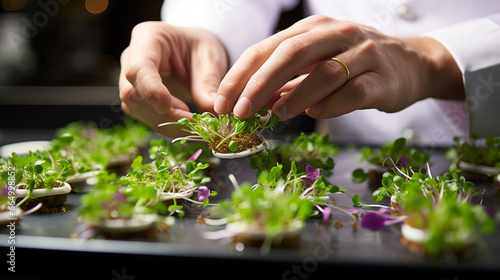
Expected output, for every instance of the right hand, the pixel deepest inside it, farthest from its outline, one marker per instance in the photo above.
(193, 56)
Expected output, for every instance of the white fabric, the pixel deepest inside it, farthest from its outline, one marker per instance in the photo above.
(469, 29)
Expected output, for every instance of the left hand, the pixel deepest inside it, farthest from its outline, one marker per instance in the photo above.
(386, 73)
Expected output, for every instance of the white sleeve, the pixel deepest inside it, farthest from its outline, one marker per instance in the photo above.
(237, 23)
(475, 46)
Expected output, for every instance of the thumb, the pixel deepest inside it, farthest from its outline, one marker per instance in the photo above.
(208, 69)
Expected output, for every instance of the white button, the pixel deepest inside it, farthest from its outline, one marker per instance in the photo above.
(406, 12)
(410, 135)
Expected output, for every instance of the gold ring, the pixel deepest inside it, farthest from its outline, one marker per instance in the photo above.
(344, 66)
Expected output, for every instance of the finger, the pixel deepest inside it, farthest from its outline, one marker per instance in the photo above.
(285, 89)
(208, 68)
(360, 93)
(325, 78)
(142, 111)
(252, 58)
(141, 67)
(260, 78)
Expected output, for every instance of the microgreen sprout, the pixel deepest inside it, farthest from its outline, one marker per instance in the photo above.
(169, 183)
(33, 173)
(90, 148)
(262, 210)
(309, 185)
(156, 188)
(399, 150)
(313, 149)
(112, 209)
(483, 152)
(179, 152)
(226, 134)
(441, 206)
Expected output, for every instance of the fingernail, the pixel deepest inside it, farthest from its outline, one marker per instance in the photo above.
(156, 104)
(317, 109)
(242, 107)
(220, 104)
(280, 111)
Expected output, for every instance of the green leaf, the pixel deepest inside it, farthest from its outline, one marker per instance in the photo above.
(273, 121)
(183, 121)
(205, 202)
(137, 163)
(66, 138)
(233, 146)
(38, 168)
(334, 189)
(214, 124)
(263, 112)
(359, 175)
(50, 180)
(378, 194)
(356, 200)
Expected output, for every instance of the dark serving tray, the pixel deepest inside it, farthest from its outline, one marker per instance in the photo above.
(44, 249)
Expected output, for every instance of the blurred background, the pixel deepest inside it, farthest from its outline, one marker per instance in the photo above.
(59, 62)
(59, 59)
(67, 42)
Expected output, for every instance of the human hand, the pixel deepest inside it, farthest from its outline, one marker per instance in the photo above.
(158, 50)
(386, 73)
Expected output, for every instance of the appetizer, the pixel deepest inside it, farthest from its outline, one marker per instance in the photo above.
(476, 159)
(37, 181)
(115, 211)
(314, 150)
(398, 150)
(438, 216)
(260, 217)
(226, 135)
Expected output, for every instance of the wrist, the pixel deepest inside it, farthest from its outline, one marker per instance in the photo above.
(443, 78)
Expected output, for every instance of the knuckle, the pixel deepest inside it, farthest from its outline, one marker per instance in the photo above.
(256, 81)
(328, 68)
(350, 28)
(141, 27)
(254, 53)
(360, 92)
(132, 69)
(129, 96)
(318, 19)
(291, 47)
(370, 47)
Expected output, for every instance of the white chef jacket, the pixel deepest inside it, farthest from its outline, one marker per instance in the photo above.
(470, 30)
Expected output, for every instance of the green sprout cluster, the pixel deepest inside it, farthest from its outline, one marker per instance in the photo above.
(442, 206)
(90, 148)
(267, 209)
(161, 186)
(226, 133)
(110, 200)
(395, 150)
(313, 149)
(475, 151)
(32, 172)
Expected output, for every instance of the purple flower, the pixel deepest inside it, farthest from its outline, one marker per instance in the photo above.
(312, 173)
(119, 196)
(5, 191)
(203, 193)
(489, 211)
(377, 220)
(194, 157)
(403, 162)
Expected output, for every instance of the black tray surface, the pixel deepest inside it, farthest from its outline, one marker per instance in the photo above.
(43, 247)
